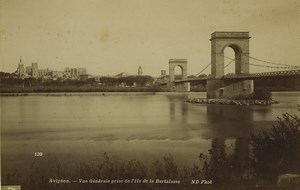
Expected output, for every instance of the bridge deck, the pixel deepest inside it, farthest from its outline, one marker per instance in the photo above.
(250, 76)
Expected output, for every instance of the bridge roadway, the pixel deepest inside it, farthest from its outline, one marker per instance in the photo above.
(250, 76)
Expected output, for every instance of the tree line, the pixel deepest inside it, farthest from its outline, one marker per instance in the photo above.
(12, 80)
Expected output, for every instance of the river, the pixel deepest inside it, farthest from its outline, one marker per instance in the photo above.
(133, 126)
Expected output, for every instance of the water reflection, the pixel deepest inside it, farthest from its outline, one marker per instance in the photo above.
(178, 108)
(179, 118)
(234, 123)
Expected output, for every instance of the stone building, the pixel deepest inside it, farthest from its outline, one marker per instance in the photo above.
(34, 70)
(21, 70)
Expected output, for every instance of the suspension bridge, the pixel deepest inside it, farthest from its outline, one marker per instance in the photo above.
(220, 85)
(277, 71)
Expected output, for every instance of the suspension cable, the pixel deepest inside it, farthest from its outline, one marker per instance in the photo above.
(228, 63)
(266, 66)
(270, 62)
(203, 69)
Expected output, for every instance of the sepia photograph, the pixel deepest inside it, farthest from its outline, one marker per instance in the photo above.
(150, 94)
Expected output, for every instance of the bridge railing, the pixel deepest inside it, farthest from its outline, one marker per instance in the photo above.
(249, 76)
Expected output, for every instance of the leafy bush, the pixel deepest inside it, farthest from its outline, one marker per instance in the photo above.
(262, 94)
(165, 168)
(278, 151)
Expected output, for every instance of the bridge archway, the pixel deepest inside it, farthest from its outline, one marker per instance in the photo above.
(181, 63)
(178, 72)
(231, 66)
(239, 42)
(217, 86)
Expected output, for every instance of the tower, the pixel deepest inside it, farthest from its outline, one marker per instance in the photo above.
(140, 71)
(239, 42)
(182, 64)
(217, 87)
(21, 68)
(34, 70)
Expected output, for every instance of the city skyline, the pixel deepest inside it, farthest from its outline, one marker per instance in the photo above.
(109, 37)
(32, 70)
(24, 71)
(27, 70)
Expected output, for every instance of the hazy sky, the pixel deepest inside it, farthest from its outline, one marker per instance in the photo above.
(112, 36)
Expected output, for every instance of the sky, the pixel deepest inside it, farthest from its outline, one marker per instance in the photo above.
(112, 36)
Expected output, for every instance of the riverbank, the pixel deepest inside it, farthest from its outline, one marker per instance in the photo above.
(76, 93)
(77, 89)
(231, 102)
(96, 93)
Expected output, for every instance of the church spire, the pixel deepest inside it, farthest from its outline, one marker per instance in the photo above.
(140, 71)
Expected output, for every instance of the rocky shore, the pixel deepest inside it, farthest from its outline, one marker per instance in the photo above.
(231, 102)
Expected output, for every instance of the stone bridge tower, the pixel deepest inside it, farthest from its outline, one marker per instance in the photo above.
(182, 87)
(217, 87)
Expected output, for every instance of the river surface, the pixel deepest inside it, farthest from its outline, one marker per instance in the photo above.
(143, 127)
